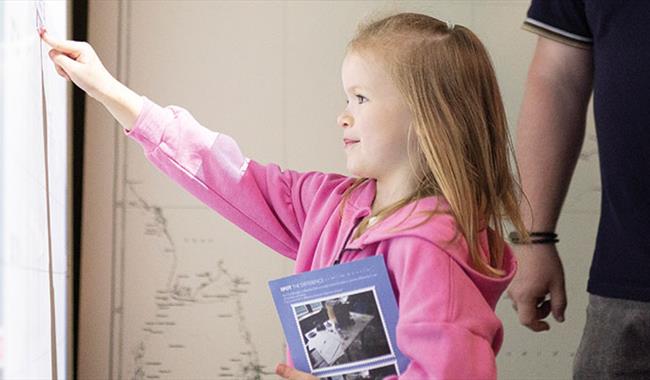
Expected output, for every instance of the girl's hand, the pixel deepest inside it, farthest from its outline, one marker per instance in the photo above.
(78, 62)
(289, 373)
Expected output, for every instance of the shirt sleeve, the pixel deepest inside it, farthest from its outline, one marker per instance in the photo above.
(445, 327)
(267, 202)
(564, 21)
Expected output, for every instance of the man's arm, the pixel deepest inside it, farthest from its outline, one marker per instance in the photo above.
(551, 127)
(550, 133)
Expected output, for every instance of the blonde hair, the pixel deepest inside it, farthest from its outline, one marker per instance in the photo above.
(462, 144)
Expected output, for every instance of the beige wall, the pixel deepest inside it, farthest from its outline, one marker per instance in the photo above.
(268, 74)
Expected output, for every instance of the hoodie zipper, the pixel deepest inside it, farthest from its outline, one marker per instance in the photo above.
(345, 243)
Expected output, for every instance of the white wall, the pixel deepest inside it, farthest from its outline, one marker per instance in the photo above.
(27, 245)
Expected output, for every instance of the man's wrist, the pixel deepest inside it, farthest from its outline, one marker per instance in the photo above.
(534, 237)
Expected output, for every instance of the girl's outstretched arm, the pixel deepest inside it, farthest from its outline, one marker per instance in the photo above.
(267, 202)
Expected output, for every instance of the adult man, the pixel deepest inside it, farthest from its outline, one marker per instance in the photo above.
(604, 44)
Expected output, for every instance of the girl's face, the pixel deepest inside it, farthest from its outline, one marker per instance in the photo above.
(375, 122)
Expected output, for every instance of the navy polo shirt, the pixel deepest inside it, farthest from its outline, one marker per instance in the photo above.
(618, 33)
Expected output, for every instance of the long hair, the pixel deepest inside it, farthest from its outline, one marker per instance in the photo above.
(461, 146)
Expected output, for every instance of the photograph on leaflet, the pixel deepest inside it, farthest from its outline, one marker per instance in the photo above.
(342, 329)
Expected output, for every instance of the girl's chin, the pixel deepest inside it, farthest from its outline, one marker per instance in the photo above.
(357, 172)
(353, 171)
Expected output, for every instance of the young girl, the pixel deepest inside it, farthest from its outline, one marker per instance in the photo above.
(425, 136)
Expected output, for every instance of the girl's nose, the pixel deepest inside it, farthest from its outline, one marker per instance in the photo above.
(344, 120)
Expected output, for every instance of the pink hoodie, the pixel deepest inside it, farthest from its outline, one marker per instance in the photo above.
(447, 325)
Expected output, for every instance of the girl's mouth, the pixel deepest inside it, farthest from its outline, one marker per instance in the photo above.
(349, 142)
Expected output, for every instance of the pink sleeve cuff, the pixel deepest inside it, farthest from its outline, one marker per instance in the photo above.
(149, 125)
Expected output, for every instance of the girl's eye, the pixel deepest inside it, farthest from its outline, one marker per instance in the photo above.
(360, 97)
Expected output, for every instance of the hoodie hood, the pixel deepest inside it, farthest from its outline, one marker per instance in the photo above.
(439, 230)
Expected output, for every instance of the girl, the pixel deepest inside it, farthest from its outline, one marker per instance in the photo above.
(425, 136)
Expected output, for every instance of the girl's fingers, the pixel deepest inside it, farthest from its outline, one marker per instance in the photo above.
(61, 72)
(62, 60)
(290, 373)
(66, 46)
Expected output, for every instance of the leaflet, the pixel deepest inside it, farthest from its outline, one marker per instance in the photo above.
(339, 322)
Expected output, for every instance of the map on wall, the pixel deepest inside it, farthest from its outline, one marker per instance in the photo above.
(190, 293)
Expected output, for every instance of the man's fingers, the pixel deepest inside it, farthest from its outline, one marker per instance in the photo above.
(558, 302)
(527, 312)
(66, 46)
(543, 309)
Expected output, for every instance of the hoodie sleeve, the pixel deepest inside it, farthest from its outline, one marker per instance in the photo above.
(266, 202)
(445, 326)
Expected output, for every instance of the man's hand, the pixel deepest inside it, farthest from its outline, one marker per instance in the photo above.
(289, 373)
(539, 274)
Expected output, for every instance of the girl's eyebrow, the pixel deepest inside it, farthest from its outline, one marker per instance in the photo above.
(357, 87)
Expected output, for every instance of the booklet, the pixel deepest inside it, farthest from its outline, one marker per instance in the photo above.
(340, 321)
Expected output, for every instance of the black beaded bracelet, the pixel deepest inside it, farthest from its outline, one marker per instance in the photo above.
(550, 235)
(535, 238)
